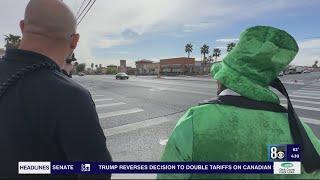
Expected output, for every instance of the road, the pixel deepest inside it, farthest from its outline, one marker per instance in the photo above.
(138, 114)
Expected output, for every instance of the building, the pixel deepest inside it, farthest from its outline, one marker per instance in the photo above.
(112, 69)
(147, 67)
(177, 66)
(123, 66)
(2, 52)
(131, 70)
(104, 70)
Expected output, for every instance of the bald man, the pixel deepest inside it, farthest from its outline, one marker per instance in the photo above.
(44, 115)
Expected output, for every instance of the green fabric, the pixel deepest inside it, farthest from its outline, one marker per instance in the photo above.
(260, 55)
(226, 133)
(229, 133)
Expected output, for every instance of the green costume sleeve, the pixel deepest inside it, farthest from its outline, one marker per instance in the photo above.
(179, 146)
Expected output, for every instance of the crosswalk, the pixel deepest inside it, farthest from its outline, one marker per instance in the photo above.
(306, 102)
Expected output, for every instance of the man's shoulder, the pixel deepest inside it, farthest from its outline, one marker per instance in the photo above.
(57, 86)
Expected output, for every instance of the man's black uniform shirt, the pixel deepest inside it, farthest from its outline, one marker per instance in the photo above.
(46, 116)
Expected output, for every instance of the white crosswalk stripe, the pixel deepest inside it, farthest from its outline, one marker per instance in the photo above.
(307, 97)
(302, 101)
(97, 95)
(109, 105)
(308, 91)
(100, 100)
(311, 89)
(118, 113)
(310, 121)
(304, 107)
(305, 93)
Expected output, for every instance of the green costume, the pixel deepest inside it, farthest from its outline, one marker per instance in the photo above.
(216, 132)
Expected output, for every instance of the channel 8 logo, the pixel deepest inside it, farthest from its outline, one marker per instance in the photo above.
(277, 152)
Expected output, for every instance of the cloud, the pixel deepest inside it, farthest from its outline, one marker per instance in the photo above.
(221, 47)
(114, 23)
(227, 40)
(107, 43)
(309, 51)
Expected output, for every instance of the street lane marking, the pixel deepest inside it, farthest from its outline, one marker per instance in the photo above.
(304, 107)
(119, 113)
(135, 126)
(312, 94)
(97, 95)
(312, 89)
(108, 105)
(309, 91)
(313, 86)
(308, 97)
(302, 101)
(99, 100)
(310, 121)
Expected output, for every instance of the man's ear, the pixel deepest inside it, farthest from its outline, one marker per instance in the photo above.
(21, 25)
(74, 41)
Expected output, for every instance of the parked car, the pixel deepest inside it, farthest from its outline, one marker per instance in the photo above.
(122, 76)
(306, 71)
(81, 74)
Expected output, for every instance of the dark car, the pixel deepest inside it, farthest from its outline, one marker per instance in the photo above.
(122, 76)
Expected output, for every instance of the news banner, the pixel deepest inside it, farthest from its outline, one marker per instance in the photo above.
(282, 159)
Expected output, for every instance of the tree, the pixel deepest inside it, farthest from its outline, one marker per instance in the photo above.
(12, 41)
(204, 50)
(92, 65)
(230, 46)
(96, 66)
(100, 66)
(188, 49)
(81, 67)
(216, 53)
(315, 65)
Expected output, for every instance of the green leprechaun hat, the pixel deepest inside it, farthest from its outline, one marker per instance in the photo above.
(260, 55)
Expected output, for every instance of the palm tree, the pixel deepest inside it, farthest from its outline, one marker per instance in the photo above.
(96, 66)
(204, 50)
(188, 49)
(216, 53)
(92, 65)
(230, 46)
(12, 41)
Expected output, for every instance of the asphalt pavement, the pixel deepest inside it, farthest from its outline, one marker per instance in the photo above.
(138, 114)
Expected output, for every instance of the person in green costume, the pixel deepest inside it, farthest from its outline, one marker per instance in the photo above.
(219, 132)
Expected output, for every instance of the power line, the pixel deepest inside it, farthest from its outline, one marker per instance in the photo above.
(86, 12)
(84, 9)
(80, 7)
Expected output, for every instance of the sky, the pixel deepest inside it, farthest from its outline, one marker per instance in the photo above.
(157, 29)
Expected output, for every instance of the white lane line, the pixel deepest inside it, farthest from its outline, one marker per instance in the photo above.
(312, 86)
(97, 95)
(111, 104)
(302, 101)
(302, 93)
(310, 121)
(99, 100)
(304, 107)
(308, 97)
(118, 113)
(135, 126)
(309, 91)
